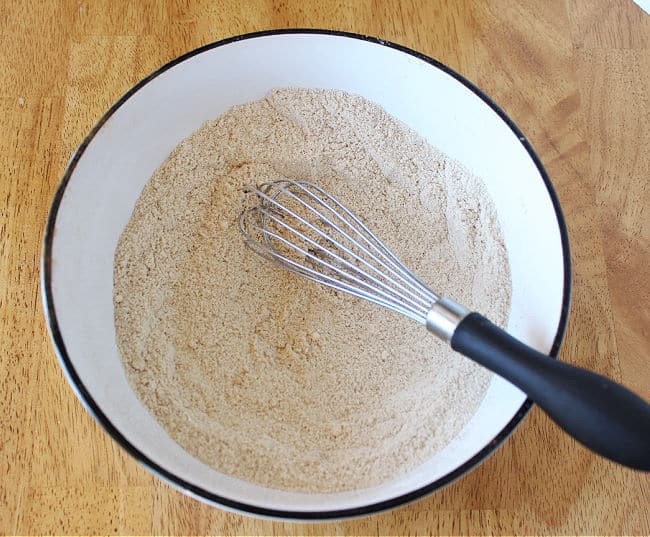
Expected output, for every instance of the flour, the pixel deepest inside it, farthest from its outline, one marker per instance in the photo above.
(276, 380)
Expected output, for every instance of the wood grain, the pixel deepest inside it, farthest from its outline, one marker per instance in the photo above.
(574, 75)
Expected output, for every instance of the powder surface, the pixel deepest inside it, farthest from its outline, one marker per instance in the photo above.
(277, 380)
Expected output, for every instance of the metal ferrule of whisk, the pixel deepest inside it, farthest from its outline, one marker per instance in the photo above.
(305, 230)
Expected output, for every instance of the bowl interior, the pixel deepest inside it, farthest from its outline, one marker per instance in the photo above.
(107, 176)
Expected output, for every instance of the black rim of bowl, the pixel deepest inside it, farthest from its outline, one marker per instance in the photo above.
(220, 501)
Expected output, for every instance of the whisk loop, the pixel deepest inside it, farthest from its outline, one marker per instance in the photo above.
(302, 228)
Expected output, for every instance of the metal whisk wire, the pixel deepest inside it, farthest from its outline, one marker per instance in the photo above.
(302, 228)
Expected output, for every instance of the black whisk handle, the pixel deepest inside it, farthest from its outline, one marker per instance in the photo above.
(601, 414)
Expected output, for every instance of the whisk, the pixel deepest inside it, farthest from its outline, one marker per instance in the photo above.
(302, 228)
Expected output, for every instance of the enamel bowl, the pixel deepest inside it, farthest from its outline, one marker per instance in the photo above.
(112, 165)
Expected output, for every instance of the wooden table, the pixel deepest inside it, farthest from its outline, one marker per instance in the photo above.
(575, 76)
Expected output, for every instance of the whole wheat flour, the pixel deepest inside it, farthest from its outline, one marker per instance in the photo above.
(276, 380)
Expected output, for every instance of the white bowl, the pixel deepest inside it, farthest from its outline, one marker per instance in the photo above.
(112, 165)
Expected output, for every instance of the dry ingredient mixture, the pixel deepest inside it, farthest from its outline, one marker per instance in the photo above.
(277, 380)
